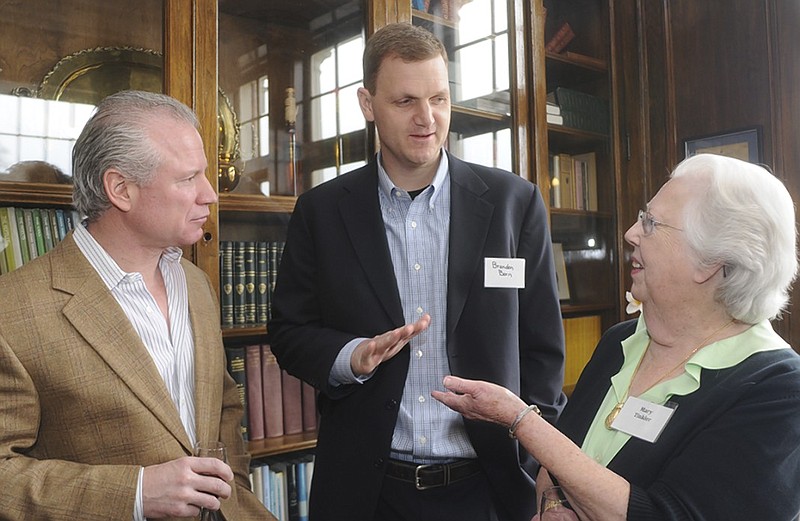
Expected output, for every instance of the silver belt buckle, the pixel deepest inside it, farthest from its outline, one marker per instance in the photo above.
(417, 483)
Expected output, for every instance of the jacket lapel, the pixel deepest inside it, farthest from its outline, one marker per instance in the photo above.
(98, 318)
(361, 214)
(209, 359)
(470, 216)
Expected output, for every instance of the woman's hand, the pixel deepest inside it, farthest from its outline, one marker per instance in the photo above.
(478, 400)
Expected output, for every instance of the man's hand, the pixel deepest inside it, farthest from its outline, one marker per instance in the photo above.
(371, 353)
(179, 488)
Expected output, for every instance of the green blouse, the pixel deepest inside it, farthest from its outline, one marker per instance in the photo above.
(602, 444)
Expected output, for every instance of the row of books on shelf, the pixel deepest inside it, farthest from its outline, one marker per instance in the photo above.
(247, 271)
(578, 110)
(284, 487)
(275, 402)
(573, 181)
(27, 233)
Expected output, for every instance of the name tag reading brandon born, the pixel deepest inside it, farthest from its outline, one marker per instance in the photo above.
(642, 419)
(503, 273)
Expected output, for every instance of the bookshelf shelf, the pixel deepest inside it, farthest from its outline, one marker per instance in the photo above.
(243, 332)
(35, 193)
(282, 444)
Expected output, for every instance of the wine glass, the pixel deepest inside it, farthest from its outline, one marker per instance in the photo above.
(211, 449)
(555, 507)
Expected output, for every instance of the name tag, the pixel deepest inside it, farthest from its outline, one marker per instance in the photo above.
(503, 273)
(642, 419)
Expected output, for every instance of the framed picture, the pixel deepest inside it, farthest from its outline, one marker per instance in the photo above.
(561, 271)
(740, 144)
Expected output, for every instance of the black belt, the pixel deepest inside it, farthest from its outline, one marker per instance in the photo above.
(432, 476)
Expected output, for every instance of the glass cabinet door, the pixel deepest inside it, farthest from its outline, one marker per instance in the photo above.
(59, 59)
(290, 70)
(476, 35)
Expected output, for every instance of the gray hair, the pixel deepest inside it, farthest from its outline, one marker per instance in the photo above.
(116, 136)
(745, 221)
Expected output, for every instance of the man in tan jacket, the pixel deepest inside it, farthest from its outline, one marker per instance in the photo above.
(112, 360)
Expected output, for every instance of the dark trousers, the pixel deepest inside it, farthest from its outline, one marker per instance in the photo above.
(466, 500)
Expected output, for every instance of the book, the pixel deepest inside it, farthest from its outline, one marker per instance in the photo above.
(262, 282)
(292, 506)
(30, 233)
(6, 241)
(291, 389)
(249, 282)
(257, 481)
(552, 108)
(309, 396)
(567, 181)
(236, 360)
(226, 282)
(587, 164)
(16, 244)
(554, 119)
(38, 232)
(562, 37)
(583, 111)
(272, 389)
(581, 335)
(23, 236)
(239, 296)
(255, 399)
(61, 224)
(3, 262)
(302, 490)
(47, 229)
(555, 181)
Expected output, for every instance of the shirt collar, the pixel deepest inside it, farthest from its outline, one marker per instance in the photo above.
(108, 269)
(718, 355)
(386, 185)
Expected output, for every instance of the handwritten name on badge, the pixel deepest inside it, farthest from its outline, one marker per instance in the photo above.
(642, 419)
(503, 273)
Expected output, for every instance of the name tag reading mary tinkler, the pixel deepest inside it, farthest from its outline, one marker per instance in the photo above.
(503, 273)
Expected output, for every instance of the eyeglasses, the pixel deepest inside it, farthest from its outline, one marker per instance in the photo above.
(649, 223)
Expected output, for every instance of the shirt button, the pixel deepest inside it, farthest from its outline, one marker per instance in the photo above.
(149, 310)
(419, 310)
(423, 440)
(419, 353)
(417, 267)
(413, 224)
(421, 399)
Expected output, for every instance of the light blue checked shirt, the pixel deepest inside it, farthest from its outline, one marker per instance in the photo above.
(418, 234)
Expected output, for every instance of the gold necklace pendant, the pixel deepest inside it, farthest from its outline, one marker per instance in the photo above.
(613, 415)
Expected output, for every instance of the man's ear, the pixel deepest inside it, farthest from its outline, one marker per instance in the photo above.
(118, 189)
(365, 102)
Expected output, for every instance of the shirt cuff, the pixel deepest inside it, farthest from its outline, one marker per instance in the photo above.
(138, 506)
(342, 372)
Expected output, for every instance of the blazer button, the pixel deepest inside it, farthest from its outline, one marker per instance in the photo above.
(378, 463)
(391, 404)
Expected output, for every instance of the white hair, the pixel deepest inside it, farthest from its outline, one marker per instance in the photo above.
(744, 220)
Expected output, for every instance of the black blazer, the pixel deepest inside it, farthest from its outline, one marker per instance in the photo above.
(336, 283)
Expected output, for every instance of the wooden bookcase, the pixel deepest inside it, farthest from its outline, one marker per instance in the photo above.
(211, 48)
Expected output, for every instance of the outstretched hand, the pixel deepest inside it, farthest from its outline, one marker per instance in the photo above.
(479, 400)
(179, 488)
(369, 354)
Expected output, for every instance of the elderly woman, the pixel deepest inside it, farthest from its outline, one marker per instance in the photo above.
(693, 410)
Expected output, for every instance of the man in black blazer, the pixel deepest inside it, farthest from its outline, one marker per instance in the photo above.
(416, 266)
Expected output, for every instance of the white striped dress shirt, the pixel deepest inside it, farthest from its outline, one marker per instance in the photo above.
(171, 346)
